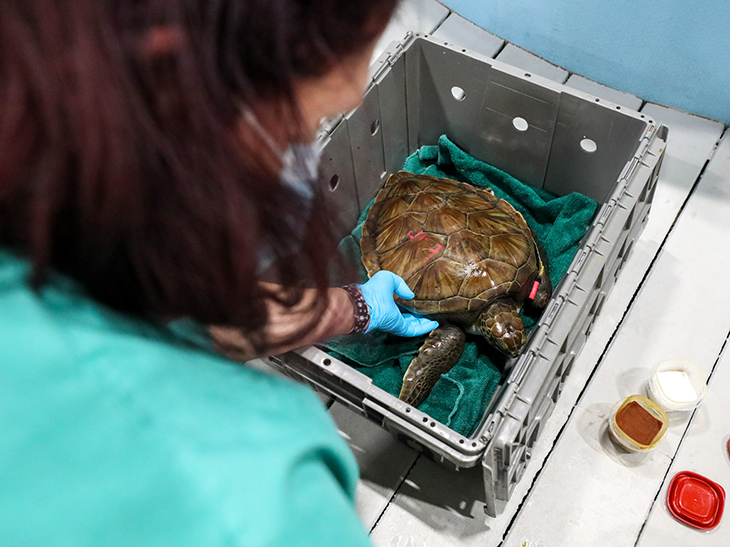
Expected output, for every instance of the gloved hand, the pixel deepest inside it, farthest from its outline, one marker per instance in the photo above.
(384, 312)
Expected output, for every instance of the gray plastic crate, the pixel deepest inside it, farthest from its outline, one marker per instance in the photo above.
(423, 88)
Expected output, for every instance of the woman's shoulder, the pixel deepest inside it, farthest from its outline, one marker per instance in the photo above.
(103, 419)
(59, 333)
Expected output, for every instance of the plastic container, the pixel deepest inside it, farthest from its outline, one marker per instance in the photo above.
(677, 385)
(422, 88)
(695, 500)
(637, 424)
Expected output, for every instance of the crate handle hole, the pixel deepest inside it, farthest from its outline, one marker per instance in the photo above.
(334, 182)
(375, 127)
(520, 124)
(588, 145)
(458, 93)
(326, 362)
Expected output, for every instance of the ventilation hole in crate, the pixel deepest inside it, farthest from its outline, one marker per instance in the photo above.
(334, 182)
(528, 75)
(588, 145)
(326, 362)
(520, 124)
(463, 51)
(642, 116)
(408, 409)
(618, 107)
(458, 93)
(473, 444)
(425, 419)
(375, 127)
(598, 100)
(432, 424)
(461, 441)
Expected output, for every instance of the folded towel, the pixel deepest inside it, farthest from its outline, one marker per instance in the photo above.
(460, 397)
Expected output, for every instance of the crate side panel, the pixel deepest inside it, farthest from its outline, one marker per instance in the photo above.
(338, 181)
(449, 89)
(366, 141)
(516, 123)
(393, 118)
(592, 144)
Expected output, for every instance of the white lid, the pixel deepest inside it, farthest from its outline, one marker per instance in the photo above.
(677, 384)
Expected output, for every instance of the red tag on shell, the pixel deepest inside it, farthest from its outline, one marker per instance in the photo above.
(533, 292)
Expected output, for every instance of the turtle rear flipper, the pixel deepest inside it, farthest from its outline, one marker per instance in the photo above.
(437, 355)
(500, 323)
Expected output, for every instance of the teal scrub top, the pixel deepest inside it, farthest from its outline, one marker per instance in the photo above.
(112, 435)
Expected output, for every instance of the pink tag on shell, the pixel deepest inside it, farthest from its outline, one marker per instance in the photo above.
(533, 292)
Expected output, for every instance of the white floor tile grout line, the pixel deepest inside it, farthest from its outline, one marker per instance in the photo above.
(395, 493)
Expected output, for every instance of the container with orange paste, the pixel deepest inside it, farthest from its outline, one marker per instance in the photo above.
(637, 423)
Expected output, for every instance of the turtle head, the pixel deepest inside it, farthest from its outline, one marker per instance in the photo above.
(500, 323)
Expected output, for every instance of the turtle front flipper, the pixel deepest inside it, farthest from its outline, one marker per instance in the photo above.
(500, 323)
(437, 355)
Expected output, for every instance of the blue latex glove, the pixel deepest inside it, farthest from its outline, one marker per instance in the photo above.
(384, 312)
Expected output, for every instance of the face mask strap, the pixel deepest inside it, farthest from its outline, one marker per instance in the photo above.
(254, 122)
(290, 172)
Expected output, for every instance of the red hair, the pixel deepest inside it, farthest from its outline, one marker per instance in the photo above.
(122, 163)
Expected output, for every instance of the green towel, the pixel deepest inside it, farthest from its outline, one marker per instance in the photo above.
(460, 397)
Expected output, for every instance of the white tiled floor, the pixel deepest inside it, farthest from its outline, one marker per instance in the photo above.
(669, 301)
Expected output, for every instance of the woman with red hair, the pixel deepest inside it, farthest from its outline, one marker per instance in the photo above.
(156, 176)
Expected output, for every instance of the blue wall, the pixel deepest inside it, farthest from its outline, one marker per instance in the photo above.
(674, 52)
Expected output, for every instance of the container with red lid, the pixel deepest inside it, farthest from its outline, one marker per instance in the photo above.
(695, 500)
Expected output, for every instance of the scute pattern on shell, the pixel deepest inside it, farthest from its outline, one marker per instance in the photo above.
(456, 245)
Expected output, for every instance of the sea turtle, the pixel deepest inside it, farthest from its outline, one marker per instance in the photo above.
(469, 257)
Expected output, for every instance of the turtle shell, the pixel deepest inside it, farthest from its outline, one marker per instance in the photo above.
(457, 246)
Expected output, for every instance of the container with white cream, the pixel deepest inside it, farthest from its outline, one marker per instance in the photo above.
(677, 385)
